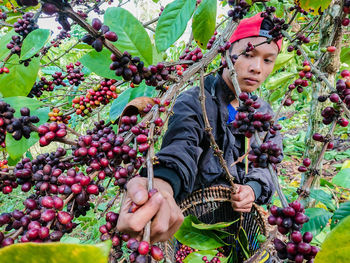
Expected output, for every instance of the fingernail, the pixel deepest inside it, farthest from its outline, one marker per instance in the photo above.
(138, 197)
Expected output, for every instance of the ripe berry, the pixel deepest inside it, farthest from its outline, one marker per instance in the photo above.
(304, 248)
(345, 73)
(92, 189)
(345, 21)
(296, 237)
(96, 24)
(143, 248)
(343, 122)
(307, 237)
(331, 49)
(306, 162)
(111, 36)
(64, 217)
(317, 137)
(157, 253)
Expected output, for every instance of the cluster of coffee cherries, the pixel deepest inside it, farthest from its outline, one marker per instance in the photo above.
(140, 251)
(56, 115)
(290, 221)
(101, 94)
(132, 68)
(4, 70)
(25, 25)
(7, 181)
(212, 40)
(306, 163)
(27, 2)
(37, 220)
(223, 48)
(97, 43)
(51, 131)
(42, 85)
(248, 120)
(267, 153)
(193, 55)
(343, 87)
(17, 127)
(304, 75)
(15, 44)
(301, 39)
(346, 10)
(183, 252)
(102, 150)
(215, 259)
(3, 16)
(42, 172)
(238, 11)
(320, 138)
(75, 76)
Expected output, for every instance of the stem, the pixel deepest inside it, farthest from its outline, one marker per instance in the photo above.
(208, 129)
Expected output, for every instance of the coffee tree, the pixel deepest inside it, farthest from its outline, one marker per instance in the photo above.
(83, 111)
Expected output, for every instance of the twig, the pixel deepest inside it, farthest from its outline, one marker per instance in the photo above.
(208, 129)
(62, 55)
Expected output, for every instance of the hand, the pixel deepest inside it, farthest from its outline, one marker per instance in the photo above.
(161, 208)
(243, 199)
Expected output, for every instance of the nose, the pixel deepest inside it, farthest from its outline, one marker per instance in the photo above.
(255, 65)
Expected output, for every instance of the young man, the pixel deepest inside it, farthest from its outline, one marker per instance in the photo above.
(186, 161)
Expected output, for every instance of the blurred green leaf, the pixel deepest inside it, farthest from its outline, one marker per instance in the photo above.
(342, 178)
(203, 22)
(172, 23)
(318, 220)
(33, 42)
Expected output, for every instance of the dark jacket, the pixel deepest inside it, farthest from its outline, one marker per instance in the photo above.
(186, 160)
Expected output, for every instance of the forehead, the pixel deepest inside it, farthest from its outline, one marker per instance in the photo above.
(266, 48)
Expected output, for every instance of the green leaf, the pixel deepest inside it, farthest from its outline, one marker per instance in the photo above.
(98, 62)
(216, 226)
(243, 242)
(21, 79)
(34, 42)
(55, 252)
(17, 148)
(342, 178)
(123, 99)
(204, 21)
(336, 247)
(323, 197)
(345, 55)
(314, 4)
(4, 40)
(132, 36)
(278, 93)
(318, 220)
(195, 238)
(342, 212)
(279, 79)
(51, 70)
(282, 60)
(196, 257)
(172, 23)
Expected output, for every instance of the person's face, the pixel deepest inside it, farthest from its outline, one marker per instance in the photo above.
(254, 67)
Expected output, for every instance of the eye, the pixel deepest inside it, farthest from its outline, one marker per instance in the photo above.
(268, 60)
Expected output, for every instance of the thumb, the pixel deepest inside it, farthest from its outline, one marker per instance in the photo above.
(237, 189)
(137, 190)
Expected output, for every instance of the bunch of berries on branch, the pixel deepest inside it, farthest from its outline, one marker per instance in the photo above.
(25, 25)
(3, 16)
(42, 85)
(48, 132)
(132, 68)
(212, 40)
(346, 10)
(290, 221)
(248, 120)
(101, 94)
(102, 150)
(193, 55)
(141, 251)
(56, 115)
(17, 127)
(265, 154)
(97, 43)
(239, 10)
(75, 76)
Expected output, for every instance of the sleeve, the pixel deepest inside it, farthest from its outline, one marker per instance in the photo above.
(180, 151)
(262, 175)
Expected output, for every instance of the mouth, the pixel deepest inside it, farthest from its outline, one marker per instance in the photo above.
(251, 81)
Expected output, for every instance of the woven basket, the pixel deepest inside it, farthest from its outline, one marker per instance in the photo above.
(213, 205)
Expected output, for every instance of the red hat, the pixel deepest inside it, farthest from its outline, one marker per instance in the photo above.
(251, 27)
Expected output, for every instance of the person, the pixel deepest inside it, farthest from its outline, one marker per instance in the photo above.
(186, 160)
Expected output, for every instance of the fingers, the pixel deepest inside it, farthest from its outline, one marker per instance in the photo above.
(167, 221)
(135, 222)
(137, 190)
(242, 200)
